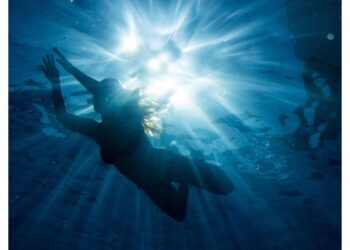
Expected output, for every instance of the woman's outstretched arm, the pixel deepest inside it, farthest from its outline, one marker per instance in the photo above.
(89, 83)
(78, 124)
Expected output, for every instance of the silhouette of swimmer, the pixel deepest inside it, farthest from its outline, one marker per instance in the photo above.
(124, 144)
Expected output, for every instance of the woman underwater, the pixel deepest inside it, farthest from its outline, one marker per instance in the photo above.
(124, 144)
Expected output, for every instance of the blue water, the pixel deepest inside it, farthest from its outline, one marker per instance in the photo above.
(255, 88)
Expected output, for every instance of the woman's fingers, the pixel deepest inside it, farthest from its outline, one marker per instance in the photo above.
(41, 67)
(47, 60)
(52, 60)
(48, 64)
(45, 63)
(49, 68)
(44, 70)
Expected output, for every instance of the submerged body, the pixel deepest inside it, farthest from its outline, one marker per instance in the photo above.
(124, 144)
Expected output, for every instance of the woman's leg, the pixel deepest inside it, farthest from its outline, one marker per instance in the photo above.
(200, 174)
(169, 199)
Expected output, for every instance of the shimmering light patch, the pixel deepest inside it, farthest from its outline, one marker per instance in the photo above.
(196, 60)
(130, 43)
(154, 64)
(180, 98)
(181, 58)
(161, 88)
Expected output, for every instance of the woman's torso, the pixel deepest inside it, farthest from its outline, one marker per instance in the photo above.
(124, 143)
(121, 127)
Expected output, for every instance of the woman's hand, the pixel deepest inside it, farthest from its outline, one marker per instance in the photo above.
(50, 70)
(63, 60)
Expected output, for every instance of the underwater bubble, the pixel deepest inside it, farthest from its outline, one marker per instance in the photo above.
(330, 36)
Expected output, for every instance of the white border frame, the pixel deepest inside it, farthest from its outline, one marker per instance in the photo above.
(345, 124)
(4, 69)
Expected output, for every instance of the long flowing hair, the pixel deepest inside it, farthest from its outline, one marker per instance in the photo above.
(153, 108)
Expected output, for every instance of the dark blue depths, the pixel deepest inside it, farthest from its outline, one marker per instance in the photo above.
(280, 143)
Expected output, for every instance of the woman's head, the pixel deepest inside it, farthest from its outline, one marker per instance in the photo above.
(111, 90)
(106, 91)
(108, 87)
